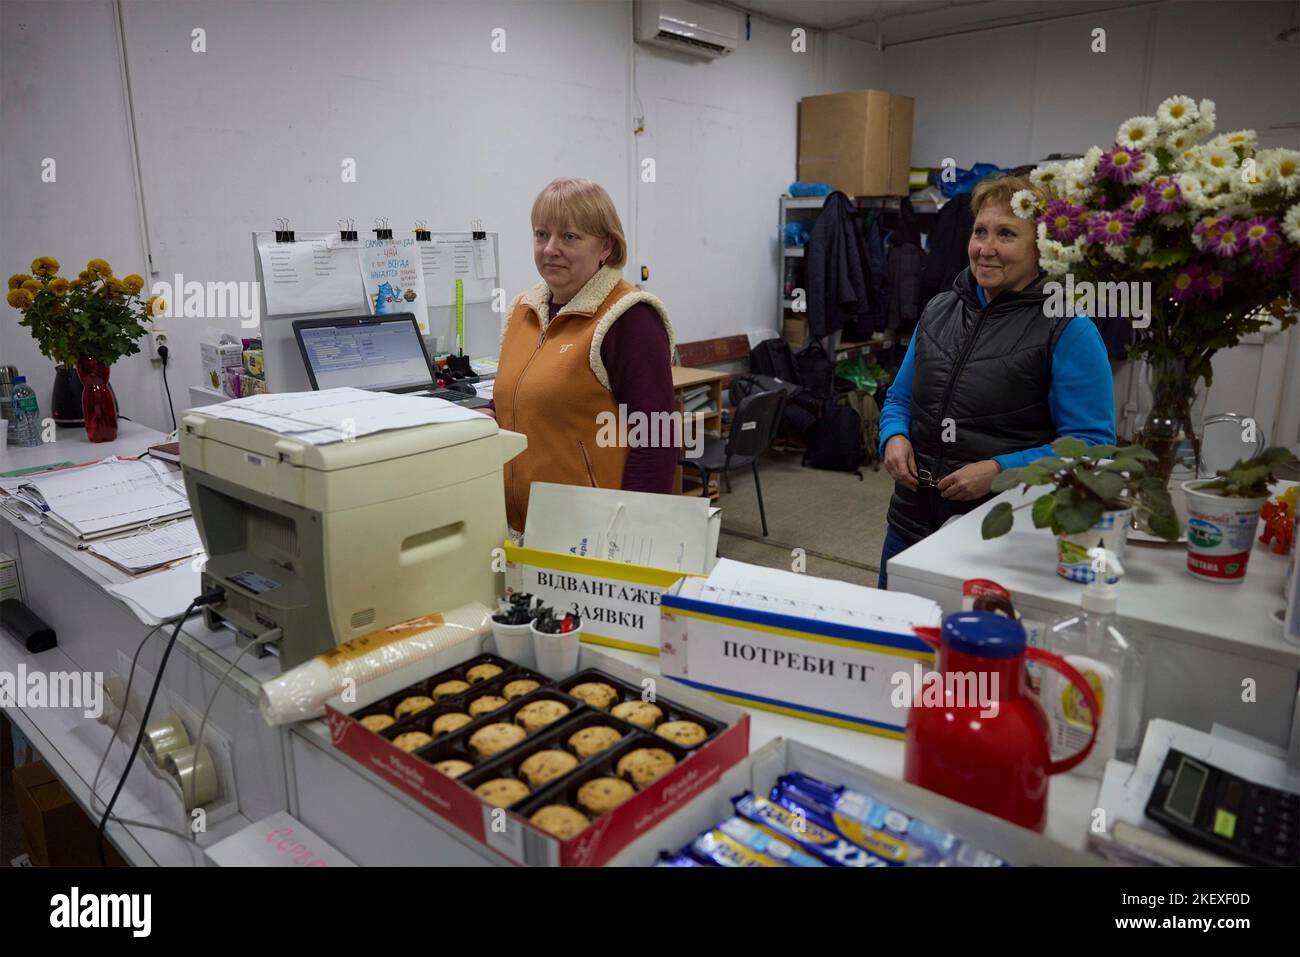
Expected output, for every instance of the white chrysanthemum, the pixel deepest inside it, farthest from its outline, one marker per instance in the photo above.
(1189, 158)
(1024, 204)
(1118, 253)
(1291, 224)
(1218, 159)
(1091, 159)
(1144, 170)
(1286, 165)
(1073, 253)
(1177, 112)
(1137, 133)
(1047, 177)
(1258, 175)
(1239, 139)
(1207, 115)
(1171, 220)
(1198, 241)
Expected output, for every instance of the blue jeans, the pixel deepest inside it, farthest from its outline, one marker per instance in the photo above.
(894, 543)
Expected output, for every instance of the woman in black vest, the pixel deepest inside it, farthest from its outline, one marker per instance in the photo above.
(989, 379)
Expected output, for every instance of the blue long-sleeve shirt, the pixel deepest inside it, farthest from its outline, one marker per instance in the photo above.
(1081, 398)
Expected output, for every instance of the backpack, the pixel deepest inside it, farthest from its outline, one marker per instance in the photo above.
(835, 441)
(772, 357)
(816, 369)
(800, 411)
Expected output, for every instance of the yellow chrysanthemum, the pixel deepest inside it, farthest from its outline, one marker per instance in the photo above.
(116, 287)
(83, 276)
(76, 284)
(133, 283)
(19, 298)
(155, 305)
(45, 265)
(17, 279)
(33, 286)
(59, 286)
(99, 269)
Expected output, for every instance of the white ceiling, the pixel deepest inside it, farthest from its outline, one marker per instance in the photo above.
(895, 21)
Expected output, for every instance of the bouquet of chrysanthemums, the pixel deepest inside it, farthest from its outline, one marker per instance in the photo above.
(1209, 227)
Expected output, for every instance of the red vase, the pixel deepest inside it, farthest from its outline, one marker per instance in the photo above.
(97, 402)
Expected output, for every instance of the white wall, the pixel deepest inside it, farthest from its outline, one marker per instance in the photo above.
(1012, 96)
(441, 128)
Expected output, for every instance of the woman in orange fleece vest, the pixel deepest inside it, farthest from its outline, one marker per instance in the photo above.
(580, 343)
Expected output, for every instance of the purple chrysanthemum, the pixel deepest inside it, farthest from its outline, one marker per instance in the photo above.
(1269, 262)
(1212, 282)
(1165, 196)
(1228, 241)
(1258, 230)
(1120, 164)
(1111, 228)
(1187, 282)
(1062, 219)
(1139, 205)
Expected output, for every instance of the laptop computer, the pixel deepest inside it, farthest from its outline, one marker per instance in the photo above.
(379, 353)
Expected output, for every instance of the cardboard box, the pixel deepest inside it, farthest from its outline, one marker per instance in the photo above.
(511, 835)
(56, 832)
(217, 358)
(795, 332)
(860, 142)
(820, 669)
(1017, 846)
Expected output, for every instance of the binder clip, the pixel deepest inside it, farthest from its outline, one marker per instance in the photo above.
(476, 225)
(283, 234)
(381, 229)
(348, 232)
(422, 234)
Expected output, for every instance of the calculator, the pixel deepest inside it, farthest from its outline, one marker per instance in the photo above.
(1221, 812)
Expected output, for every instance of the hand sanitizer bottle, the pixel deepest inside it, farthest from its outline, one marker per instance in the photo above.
(1111, 662)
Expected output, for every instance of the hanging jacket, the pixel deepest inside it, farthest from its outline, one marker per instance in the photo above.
(987, 369)
(906, 300)
(836, 277)
(878, 270)
(947, 255)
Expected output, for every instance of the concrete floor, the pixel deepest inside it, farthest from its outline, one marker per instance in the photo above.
(837, 520)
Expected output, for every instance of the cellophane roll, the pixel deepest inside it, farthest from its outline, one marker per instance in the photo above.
(301, 693)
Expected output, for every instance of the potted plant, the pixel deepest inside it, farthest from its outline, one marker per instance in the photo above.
(1223, 512)
(1091, 502)
(88, 323)
(1210, 222)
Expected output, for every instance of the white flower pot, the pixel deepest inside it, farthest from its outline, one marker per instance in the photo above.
(1110, 532)
(557, 655)
(1220, 533)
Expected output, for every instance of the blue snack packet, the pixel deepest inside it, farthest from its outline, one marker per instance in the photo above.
(795, 827)
(716, 847)
(765, 842)
(877, 826)
(680, 859)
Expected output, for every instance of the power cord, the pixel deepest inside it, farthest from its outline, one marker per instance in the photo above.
(209, 597)
(162, 354)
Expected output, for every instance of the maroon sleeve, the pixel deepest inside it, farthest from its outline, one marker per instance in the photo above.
(637, 360)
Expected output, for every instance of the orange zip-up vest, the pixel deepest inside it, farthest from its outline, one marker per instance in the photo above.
(551, 385)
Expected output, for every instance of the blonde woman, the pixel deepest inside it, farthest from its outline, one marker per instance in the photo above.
(989, 379)
(580, 343)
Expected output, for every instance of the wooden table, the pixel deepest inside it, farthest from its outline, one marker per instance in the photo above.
(685, 380)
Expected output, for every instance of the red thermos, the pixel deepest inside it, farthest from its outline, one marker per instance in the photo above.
(993, 752)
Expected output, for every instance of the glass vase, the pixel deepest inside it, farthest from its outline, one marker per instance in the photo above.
(98, 404)
(1171, 427)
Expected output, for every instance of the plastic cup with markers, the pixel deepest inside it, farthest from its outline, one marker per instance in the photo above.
(511, 628)
(555, 642)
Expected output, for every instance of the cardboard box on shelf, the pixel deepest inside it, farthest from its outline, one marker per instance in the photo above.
(56, 832)
(511, 835)
(860, 142)
(216, 359)
(794, 331)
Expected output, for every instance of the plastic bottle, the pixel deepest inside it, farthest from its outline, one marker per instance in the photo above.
(25, 426)
(1112, 663)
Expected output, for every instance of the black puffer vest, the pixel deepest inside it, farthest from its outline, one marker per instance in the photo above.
(988, 370)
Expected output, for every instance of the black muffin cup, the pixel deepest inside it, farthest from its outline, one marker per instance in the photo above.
(459, 740)
(628, 692)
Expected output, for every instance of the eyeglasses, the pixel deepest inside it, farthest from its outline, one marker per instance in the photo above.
(925, 479)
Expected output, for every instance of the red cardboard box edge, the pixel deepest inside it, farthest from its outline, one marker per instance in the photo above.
(596, 845)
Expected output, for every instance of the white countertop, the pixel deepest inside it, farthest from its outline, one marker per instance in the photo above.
(71, 445)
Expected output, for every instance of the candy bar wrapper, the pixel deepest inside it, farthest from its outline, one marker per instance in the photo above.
(800, 829)
(765, 842)
(680, 859)
(715, 847)
(878, 827)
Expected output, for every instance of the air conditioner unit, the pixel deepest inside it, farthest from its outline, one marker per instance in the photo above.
(691, 28)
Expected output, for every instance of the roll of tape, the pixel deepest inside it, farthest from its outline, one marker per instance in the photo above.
(163, 737)
(196, 774)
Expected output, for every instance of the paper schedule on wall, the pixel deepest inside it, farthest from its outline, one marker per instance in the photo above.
(452, 256)
(394, 279)
(313, 274)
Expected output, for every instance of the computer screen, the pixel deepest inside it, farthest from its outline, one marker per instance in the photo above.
(383, 355)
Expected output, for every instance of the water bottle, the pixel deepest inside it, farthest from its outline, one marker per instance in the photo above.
(25, 426)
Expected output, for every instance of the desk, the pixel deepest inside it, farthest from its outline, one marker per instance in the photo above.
(1204, 639)
(66, 588)
(684, 380)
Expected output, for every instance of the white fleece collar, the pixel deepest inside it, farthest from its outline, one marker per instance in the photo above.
(586, 302)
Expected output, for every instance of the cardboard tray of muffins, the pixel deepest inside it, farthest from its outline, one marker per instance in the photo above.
(545, 772)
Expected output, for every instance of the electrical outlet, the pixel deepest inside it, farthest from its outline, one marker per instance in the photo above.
(156, 338)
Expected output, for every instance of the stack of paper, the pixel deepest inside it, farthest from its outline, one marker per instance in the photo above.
(337, 415)
(115, 495)
(161, 596)
(153, 548)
